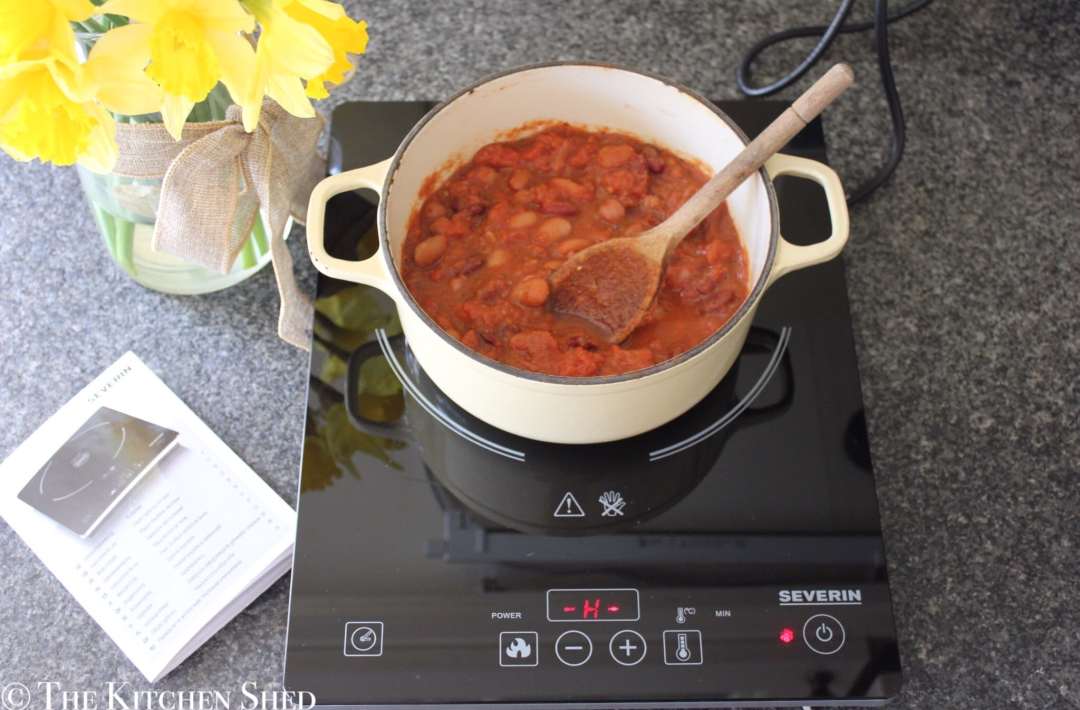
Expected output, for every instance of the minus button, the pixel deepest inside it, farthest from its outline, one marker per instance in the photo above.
(573, 648)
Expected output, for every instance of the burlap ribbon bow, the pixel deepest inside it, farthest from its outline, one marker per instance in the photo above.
(216, 177)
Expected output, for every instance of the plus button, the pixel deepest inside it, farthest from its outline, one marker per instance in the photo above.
(627, 647)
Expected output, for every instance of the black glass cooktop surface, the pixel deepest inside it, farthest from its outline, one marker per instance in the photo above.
(733, 556)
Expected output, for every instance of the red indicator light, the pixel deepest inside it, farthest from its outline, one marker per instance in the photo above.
(569, 608)
(614, 608)
(787, 636)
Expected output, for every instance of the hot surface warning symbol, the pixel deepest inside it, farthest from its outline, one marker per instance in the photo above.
(568, 507)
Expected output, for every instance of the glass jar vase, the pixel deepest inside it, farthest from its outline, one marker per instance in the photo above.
(125, 210)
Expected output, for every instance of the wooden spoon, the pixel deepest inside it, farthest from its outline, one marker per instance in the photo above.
(613, 283)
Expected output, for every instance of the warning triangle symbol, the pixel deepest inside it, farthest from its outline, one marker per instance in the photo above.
(569, 507)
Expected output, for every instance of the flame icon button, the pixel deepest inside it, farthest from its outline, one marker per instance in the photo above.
(518, 649)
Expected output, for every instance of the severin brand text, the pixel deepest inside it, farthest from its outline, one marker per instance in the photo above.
(808, 597)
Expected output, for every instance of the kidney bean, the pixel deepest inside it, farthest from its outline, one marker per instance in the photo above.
(559, 207)
(653, 161)
(430, 250)
(523, 219)
(568, 247)
(498, 258)
(470, 265)
(612, 156)
(470, 204)
(580, 341)
(492, 291)
(554, 228)
(456, 284)
(519, 179)
(611, 210)
(532, 291)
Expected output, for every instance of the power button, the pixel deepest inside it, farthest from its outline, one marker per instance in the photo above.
(823, 634)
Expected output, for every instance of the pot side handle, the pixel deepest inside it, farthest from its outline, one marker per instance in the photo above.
(791, 257)
(370, 271)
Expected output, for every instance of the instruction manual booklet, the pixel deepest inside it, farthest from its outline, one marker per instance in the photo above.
(157, 528)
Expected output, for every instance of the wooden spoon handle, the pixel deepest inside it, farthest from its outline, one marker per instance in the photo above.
(713, 193)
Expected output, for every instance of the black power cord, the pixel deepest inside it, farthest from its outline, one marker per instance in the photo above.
(827, 34)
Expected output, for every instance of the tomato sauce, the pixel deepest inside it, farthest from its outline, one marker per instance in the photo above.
(481, 246)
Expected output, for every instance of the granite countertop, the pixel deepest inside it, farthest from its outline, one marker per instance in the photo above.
(964, 275)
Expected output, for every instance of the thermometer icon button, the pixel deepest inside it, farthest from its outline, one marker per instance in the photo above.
(682, 647)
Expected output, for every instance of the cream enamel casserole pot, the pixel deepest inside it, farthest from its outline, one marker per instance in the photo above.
(574, 410)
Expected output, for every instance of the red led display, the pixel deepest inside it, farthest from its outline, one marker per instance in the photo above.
(787, 636)
(592, 605)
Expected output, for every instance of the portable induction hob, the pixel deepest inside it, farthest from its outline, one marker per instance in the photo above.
(731, 557)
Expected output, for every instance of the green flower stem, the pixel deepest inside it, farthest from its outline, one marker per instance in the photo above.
(247, 254)
(125, 232)
(259, 234)
(107, 225)
(217, 105)
(94, 25)
(115, 20)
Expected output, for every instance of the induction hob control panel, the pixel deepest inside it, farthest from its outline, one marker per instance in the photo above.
(798, 640)
(608, 626)
(797, 630)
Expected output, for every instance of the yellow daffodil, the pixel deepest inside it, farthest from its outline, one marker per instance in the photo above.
(115, 71)
(39, 29)
(302, 41)
(288, 52)
(344, 35)
(185, 47)
(46, 112)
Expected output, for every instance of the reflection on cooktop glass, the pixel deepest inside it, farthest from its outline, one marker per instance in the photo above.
(95, 468)
(733, 556)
